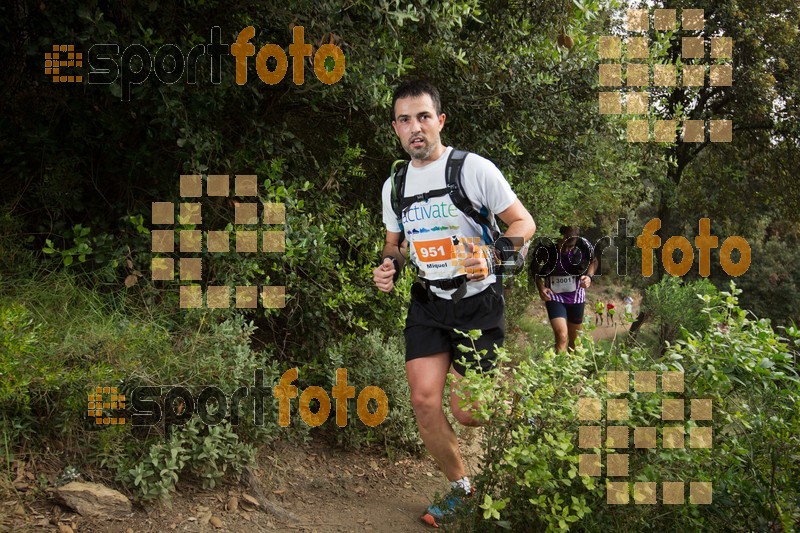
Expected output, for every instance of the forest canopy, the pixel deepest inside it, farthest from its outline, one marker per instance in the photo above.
(520, 82)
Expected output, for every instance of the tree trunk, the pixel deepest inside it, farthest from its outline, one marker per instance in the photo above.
(665, 216)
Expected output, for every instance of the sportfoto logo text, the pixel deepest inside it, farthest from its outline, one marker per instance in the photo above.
(170, 65)
(176, 405)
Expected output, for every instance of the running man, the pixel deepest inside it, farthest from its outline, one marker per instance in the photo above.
(599, 308)
(611, 309)
(448, 295)
(628, 301)
(562, 282)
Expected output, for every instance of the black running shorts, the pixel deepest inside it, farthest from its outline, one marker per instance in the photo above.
(572, 312)
(431, 322)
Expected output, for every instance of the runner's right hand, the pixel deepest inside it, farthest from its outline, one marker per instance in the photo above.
(383, 275)
(546, 294)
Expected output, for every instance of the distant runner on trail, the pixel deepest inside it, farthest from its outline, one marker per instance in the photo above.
(599, 308)
(442, 208)
(564, 271)
(611, 311)
(628, 301)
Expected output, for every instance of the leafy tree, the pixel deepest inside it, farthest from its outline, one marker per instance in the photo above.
(87, 163)
(742, 180)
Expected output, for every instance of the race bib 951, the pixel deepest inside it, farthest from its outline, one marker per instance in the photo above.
(434, 250)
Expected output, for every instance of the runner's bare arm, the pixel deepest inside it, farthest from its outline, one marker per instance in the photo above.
(544, 293)
(391, 247)
(520, 223)
(586, 280)
(593, 266)
(383, 275)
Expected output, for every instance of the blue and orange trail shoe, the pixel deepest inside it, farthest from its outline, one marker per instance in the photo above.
(444, 510)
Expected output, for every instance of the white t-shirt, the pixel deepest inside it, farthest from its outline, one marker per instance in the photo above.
(437, 231)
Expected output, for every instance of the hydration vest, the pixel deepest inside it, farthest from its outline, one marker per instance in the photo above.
(453, 186)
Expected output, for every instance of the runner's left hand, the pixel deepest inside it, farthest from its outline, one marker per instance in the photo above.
(476, 266)
(586, 281)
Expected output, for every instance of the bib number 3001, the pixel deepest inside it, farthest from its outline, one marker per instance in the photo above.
(559, 284)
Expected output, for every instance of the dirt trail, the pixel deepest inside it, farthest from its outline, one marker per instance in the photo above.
(324, 488)
(609, 332)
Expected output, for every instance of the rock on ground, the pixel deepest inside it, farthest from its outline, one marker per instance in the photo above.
(93, 499)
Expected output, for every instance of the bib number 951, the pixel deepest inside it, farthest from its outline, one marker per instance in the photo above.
(435, 250)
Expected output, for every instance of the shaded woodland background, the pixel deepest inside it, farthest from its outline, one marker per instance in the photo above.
(81, 168)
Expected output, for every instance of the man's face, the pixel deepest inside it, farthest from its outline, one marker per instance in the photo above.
(418, 127)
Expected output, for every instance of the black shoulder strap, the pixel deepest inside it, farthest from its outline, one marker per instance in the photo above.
(398, 173)
(454, 187)
(454, 175)
(401, 202)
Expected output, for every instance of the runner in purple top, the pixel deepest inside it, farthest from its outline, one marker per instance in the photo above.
(562, 284)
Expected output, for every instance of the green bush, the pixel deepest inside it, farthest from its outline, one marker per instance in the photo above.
(374, 360)
(770, 287)
(206, 452)
(674, 307)
(529, 469)
(59, 340)
(529, 478)
(18, 339)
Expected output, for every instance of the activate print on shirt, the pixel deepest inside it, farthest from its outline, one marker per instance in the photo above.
(420, 211)
(430, 227)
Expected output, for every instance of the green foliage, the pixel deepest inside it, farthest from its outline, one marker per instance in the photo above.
(373, 360)
(750, 372)
(18, 337)
(529, 466)
(206, 452)
(50, 359)
(675, 308)
(770, 287)
(745, 368)
(157, 474)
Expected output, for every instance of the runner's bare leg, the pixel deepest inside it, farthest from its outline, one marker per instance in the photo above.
(426, 378)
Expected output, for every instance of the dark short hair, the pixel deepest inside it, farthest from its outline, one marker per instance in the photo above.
(416, 87)
(569, 231)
